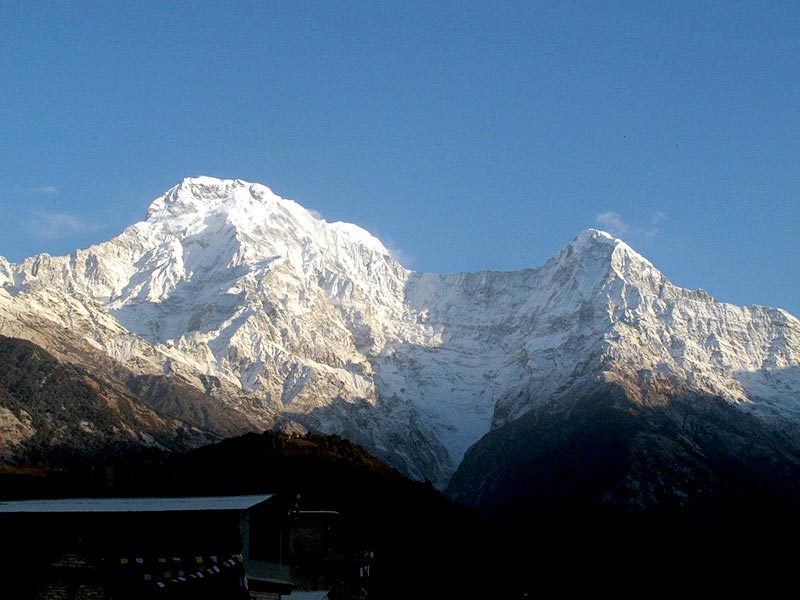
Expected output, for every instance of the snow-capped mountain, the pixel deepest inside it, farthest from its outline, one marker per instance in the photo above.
(280, 315)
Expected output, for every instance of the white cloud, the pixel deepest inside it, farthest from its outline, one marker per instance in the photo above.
(616, 225)
(46, 189)
(401, 256)
(657, 218)
(57, 225)
(612, 222)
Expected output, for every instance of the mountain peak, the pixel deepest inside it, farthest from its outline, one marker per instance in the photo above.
(592, 235)
(200, 194)
(595, 252)
(606, 249)
(251, 204)
(227, 282)
(594, 239)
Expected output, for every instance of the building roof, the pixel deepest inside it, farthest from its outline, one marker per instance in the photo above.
(309, 595)
(117, 505)
(266, 571)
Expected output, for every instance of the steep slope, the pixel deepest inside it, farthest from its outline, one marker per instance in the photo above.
(50, 410)
(621, 316)
(275, 314)
(226, 282)
(80, 333)
(680, 403)
(612, 457)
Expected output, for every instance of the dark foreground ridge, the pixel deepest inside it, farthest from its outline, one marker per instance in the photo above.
(424, 545)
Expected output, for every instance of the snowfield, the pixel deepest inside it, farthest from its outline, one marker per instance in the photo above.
(316, 322)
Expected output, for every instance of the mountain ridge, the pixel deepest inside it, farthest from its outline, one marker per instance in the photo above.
(296, 318)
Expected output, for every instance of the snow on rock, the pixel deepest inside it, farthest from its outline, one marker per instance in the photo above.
(317, 320)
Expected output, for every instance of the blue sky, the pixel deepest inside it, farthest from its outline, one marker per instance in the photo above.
(467, 136)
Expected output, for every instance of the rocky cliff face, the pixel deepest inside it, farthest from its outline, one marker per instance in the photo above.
(277, 315)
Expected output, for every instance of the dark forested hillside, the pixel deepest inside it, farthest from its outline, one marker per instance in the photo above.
(51, 411)
(608, 457)
(611, 486)
(424, 545)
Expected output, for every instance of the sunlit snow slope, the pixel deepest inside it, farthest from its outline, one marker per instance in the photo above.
(251, 297)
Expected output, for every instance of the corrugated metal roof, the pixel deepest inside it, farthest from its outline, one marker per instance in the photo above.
(114, 505)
